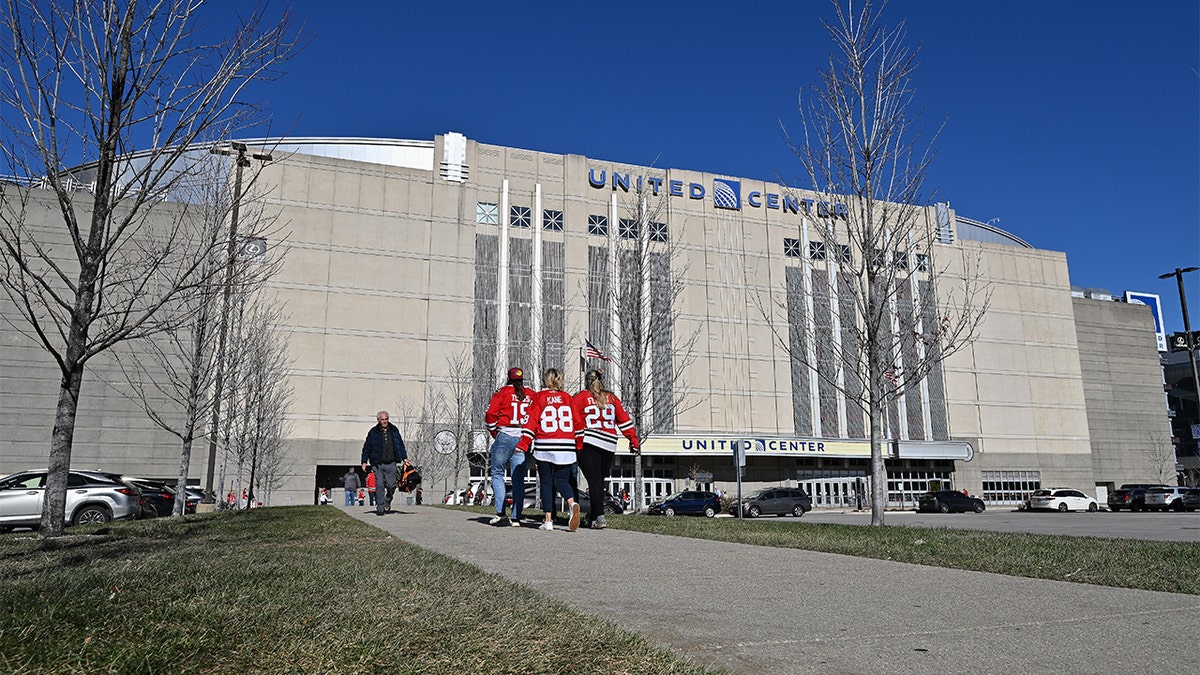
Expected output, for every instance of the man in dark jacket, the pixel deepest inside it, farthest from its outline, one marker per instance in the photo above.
(382, 450)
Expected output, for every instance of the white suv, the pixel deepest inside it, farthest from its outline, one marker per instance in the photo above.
(1163, 497)
(90, 499)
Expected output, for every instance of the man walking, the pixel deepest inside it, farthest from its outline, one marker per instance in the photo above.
(351, 483)
(381, 451)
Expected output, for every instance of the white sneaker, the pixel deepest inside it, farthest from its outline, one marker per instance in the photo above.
(573, 523)
(515, 522)
(498, 519)
(547, 525)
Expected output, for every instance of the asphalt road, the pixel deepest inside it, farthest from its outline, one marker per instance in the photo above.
(1159, 526)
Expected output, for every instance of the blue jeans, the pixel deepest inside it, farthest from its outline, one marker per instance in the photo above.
(554, 477)
(351, 495)
(505, 456)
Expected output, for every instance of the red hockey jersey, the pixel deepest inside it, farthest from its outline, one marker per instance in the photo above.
(599, 426)
(506, 413)
(550, 431)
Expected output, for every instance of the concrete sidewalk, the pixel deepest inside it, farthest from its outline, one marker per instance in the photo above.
(765, 610)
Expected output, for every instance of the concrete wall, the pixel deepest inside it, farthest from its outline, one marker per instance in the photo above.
(1126, 406)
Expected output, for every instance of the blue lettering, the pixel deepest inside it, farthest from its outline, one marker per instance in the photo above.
(697, 191)
(842, 210)
(687, 445)
(620, 181)
(772, 201)
(823, 209)
(820, 447)
(754, 199)
(793, 446)
(808, 204)
(676, 188)
(655, 183)
(791, 204)
(597, 183)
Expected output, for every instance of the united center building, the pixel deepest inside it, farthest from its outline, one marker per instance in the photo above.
(408, 265)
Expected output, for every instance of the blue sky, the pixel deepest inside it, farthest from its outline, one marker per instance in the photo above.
(1077, 124)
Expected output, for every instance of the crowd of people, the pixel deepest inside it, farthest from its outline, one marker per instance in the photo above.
(563, 433)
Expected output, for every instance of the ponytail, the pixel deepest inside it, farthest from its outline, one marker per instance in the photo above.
(518, 389)
(594, 382)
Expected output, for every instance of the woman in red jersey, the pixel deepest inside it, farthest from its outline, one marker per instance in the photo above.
(600, 417)
(550, 433)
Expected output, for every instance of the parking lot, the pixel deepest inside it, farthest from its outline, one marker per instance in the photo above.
(1161, 526)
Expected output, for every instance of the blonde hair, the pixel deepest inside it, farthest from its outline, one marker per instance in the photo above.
(594, 382)
(553, 379)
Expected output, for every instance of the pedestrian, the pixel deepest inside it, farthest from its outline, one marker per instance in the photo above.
(351, 483)
(418, 497)
(624, 498)
(362, 496)
(382, 450)
(600, 417)
(323, 497)
(550, 434)
(371, 488)
(507, 413)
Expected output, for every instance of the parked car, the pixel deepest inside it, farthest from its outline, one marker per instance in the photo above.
(158, 499)
(1063, 499)
(1130, 496)
(1164, 497)
(945, 501)
(1191, 499)
(688, 502)
(90, 499)
(774, 501)
(1038, 493)
(611, 504)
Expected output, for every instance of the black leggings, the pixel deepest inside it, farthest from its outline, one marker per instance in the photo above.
(595, 465)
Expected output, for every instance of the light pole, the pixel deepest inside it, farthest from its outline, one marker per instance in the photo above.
(1187, 327)
(242, 161)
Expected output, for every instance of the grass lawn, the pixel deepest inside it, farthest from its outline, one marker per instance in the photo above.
(296, 589)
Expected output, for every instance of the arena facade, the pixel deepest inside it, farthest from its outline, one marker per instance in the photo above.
(410, 267)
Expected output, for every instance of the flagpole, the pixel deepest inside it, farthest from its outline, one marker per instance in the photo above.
(582, 366)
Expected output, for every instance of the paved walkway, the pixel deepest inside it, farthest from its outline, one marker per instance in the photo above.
(764, 610)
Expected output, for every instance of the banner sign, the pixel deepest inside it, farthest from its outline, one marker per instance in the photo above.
(1151, 300)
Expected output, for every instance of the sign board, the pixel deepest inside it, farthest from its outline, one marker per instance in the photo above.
(739, 453)
(1179, 341)
(703, 477)
(1196, 432)
(1152, 301)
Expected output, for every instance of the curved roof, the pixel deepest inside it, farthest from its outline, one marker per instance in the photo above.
(974, 230)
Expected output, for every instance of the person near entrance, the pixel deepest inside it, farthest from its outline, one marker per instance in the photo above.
(550, 434)
(601, 416)
(382, 450)
(507, 413)
(351, 484)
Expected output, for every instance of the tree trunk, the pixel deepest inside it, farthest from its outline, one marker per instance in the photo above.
(54, 510)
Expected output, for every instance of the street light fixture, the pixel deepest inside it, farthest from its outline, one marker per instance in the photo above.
(1187, 327)
(243, 157)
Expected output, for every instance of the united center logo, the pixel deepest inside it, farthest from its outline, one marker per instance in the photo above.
(727, 194)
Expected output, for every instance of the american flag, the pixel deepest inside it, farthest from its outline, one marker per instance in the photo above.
(592, 353)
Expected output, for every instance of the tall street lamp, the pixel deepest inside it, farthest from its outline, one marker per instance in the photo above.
(243, 156)
(1187, 327)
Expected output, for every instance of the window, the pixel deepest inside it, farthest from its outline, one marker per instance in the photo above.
(900, 259)
(487, 213)
(816, 250)
(598, 225)
(627, 229)
(844, 256)
(922, 262)
(791, 248)
(658, 232)
(552, 220)
(878, 257)
(519, 216)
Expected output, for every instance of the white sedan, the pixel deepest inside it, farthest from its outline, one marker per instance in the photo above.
(1064, 499)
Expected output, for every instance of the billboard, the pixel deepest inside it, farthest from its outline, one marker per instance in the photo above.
(1151, 300)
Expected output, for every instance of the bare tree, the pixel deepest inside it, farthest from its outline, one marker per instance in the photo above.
(448, 425)
(179, 365)
(898, 310)
(418, 426)
(88, 84)
(1160, 455)
(642, 287)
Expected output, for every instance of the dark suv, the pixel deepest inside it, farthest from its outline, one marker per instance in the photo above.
(688, 502)
(775, 501)
(945, 501)
(1131, 496)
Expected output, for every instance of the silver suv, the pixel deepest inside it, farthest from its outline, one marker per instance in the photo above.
(1163, 497)
(91, 498)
